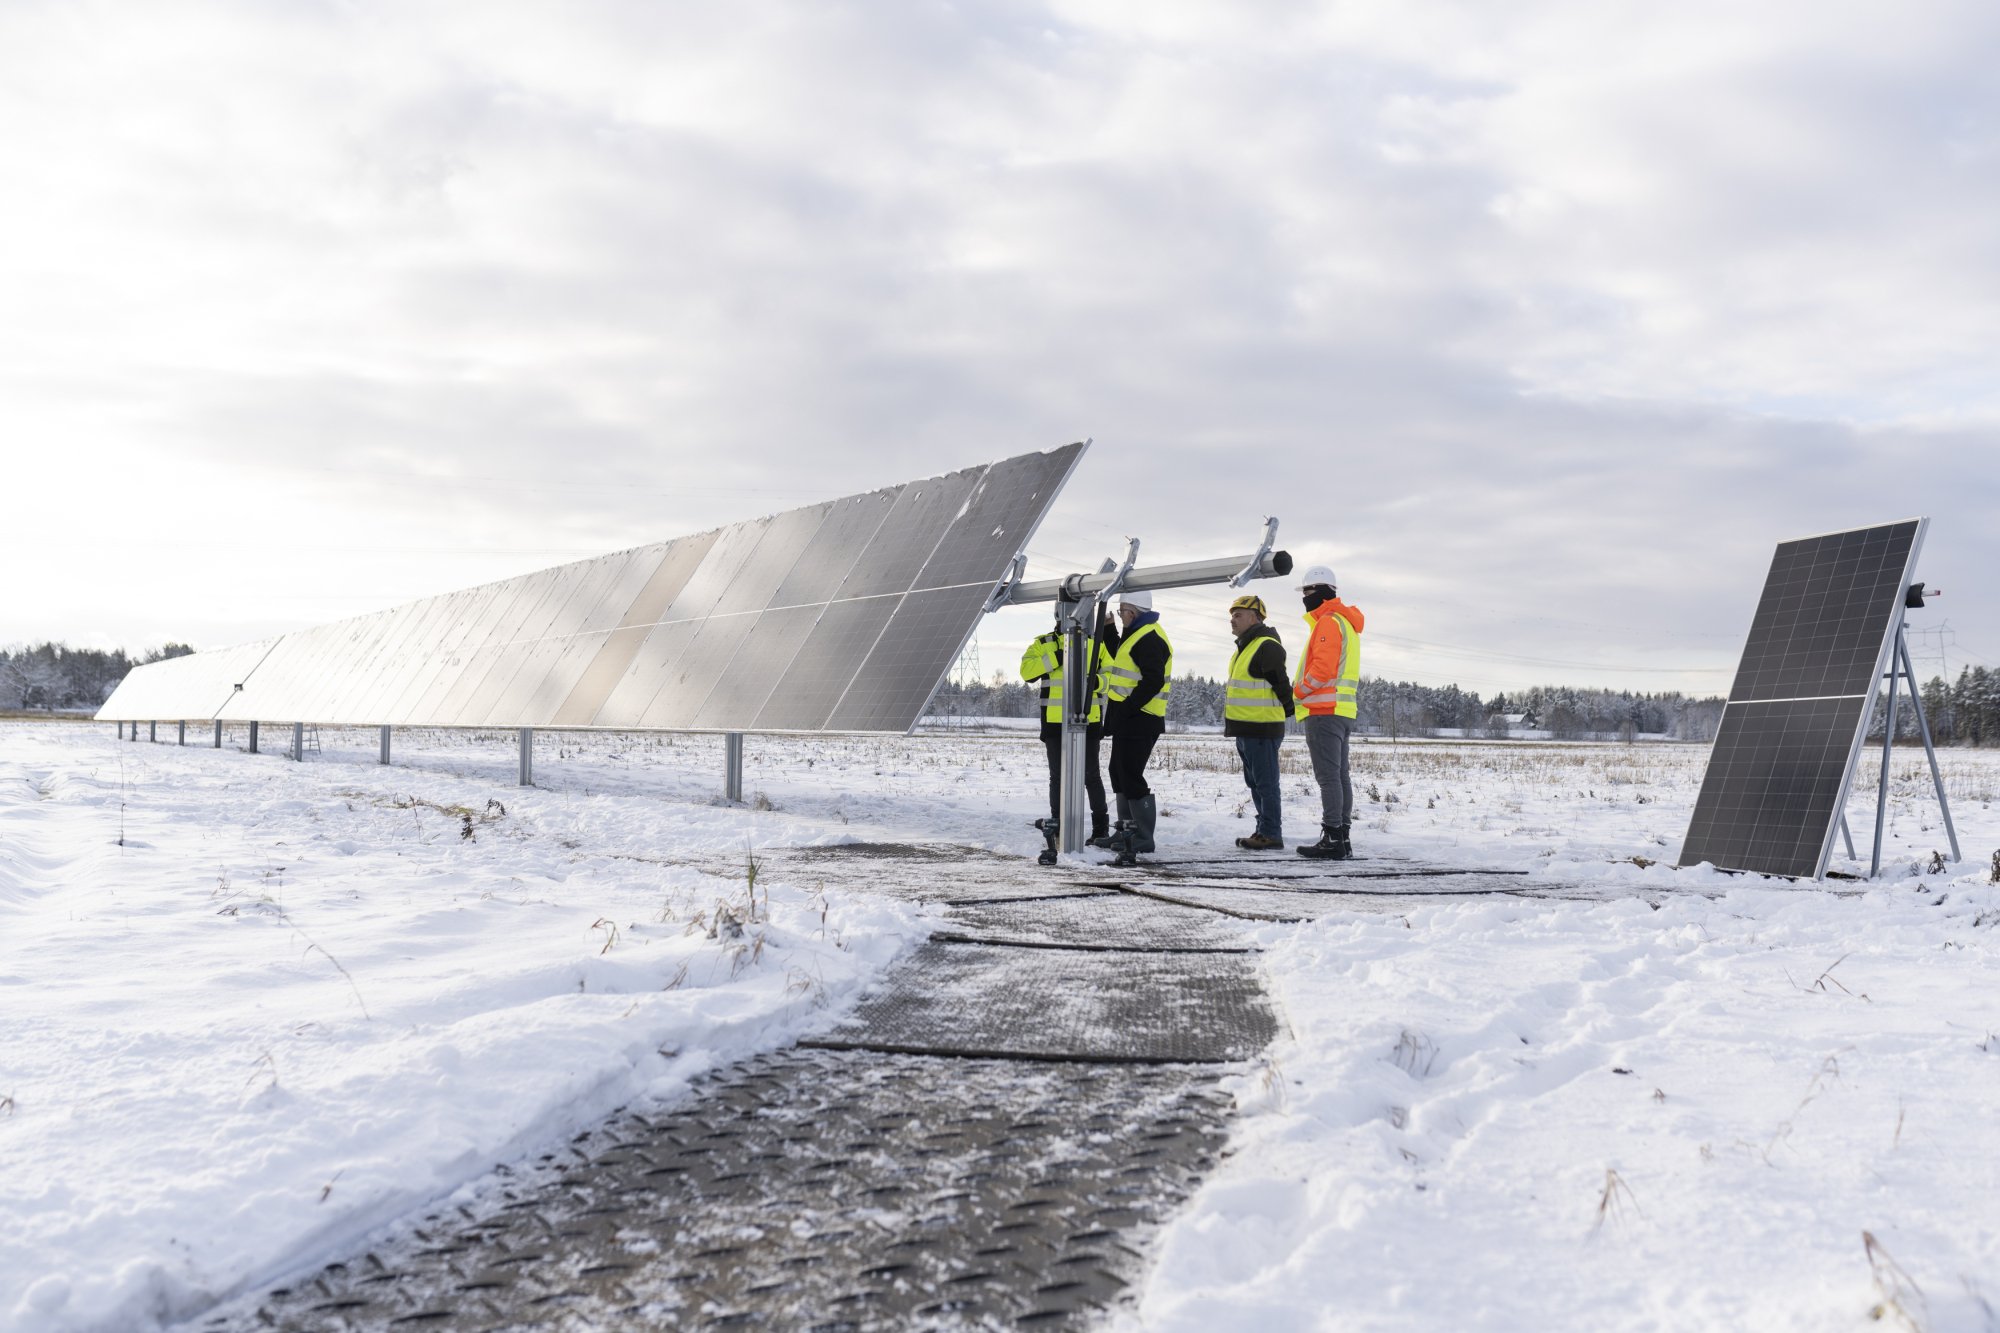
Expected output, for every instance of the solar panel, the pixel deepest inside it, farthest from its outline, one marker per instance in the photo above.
(1798, 710)
(843, 615)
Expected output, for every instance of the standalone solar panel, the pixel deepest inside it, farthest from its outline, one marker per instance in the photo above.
(1798, 711)
(840, 616)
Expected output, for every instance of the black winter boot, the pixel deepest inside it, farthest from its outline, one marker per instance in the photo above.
(1343, 849)
(1146, 810)
(1328, 848)
(1104, 837)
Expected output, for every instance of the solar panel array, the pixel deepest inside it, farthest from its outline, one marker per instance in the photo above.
(841, 616)
(1798, 710)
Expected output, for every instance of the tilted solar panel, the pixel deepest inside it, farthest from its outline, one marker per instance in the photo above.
(1798, 710)
(839, 616)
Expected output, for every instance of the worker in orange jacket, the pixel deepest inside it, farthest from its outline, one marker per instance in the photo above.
(1327, 688)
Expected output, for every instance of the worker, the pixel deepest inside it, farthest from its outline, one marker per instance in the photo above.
(1136, 686)
(1043, 661)
(1256, 704)
(1328, 685)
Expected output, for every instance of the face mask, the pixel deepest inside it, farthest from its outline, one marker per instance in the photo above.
(1316, 599)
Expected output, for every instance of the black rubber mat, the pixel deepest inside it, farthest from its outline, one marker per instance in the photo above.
(1041, 1004)
(926, 872)
(802, 1191)
(1107, 920)
(1273, 902)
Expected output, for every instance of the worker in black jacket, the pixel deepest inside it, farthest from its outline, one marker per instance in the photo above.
(1136, 686)
(1256, 704)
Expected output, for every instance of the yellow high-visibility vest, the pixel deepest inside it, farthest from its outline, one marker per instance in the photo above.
(1122, 676)
(1246, 698)
(1040, 662)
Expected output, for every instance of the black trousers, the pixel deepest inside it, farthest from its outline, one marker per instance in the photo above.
(1093, 776)
(1131, 747)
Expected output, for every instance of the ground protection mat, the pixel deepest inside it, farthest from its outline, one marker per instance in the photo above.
(1045, 1004)
(1106, 920)
(807, 1190)
(1254, 901)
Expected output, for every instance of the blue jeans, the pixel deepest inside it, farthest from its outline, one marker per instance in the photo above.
(1260, 775)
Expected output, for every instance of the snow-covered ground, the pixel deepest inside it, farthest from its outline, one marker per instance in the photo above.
(251, 1009)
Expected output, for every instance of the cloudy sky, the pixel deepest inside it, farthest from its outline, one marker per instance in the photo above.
(1541, 322)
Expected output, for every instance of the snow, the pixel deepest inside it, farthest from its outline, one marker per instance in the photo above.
(253, 1009)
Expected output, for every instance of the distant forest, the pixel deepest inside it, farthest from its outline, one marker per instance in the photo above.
(51, 677)
(1967, 713)
(1405, 708)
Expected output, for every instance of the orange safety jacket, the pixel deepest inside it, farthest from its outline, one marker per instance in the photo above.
(1330, 665)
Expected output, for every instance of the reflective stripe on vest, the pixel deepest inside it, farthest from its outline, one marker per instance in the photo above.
(1122, 676)
(1343, 692)
(1247, 698)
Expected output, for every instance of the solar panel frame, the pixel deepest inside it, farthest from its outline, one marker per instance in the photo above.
(763, 621)
(196, 685)
(1860, 576)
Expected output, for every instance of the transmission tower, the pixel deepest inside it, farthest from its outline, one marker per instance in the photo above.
(964, 674)
(1944, 638)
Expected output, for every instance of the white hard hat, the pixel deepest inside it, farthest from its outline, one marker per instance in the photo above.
(1139, 601)
(1316, 575)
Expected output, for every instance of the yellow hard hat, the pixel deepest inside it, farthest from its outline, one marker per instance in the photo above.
(1249, 602)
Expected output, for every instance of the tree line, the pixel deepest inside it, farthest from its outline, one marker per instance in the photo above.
(51, 676)
(1406, 708)
(1964, 713)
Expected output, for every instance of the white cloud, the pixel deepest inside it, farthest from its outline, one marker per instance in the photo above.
(1544, 322)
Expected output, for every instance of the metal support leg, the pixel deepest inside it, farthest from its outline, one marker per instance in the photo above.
(1888, 748)
(1075, 737)
(732, 766)
(121, 731)
(253, 738)
(1845, 836)
(153, 732)
(1930, 751)
(298, 741)
(184, 733)
(527, 757)
(385, 745)
(218, 734)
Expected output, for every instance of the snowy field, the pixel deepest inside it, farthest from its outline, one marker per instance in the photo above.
(251, 1009)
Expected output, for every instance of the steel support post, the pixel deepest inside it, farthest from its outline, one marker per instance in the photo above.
(1077, 648)
(1888, 747)
(385, 745)
(527, 757)
(184, 733)
(732, 766)
(298, 741)
(1846, 836)
(218, 734)
(253, 738)
(153, 731)
(121, 731)
(1930, 751)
